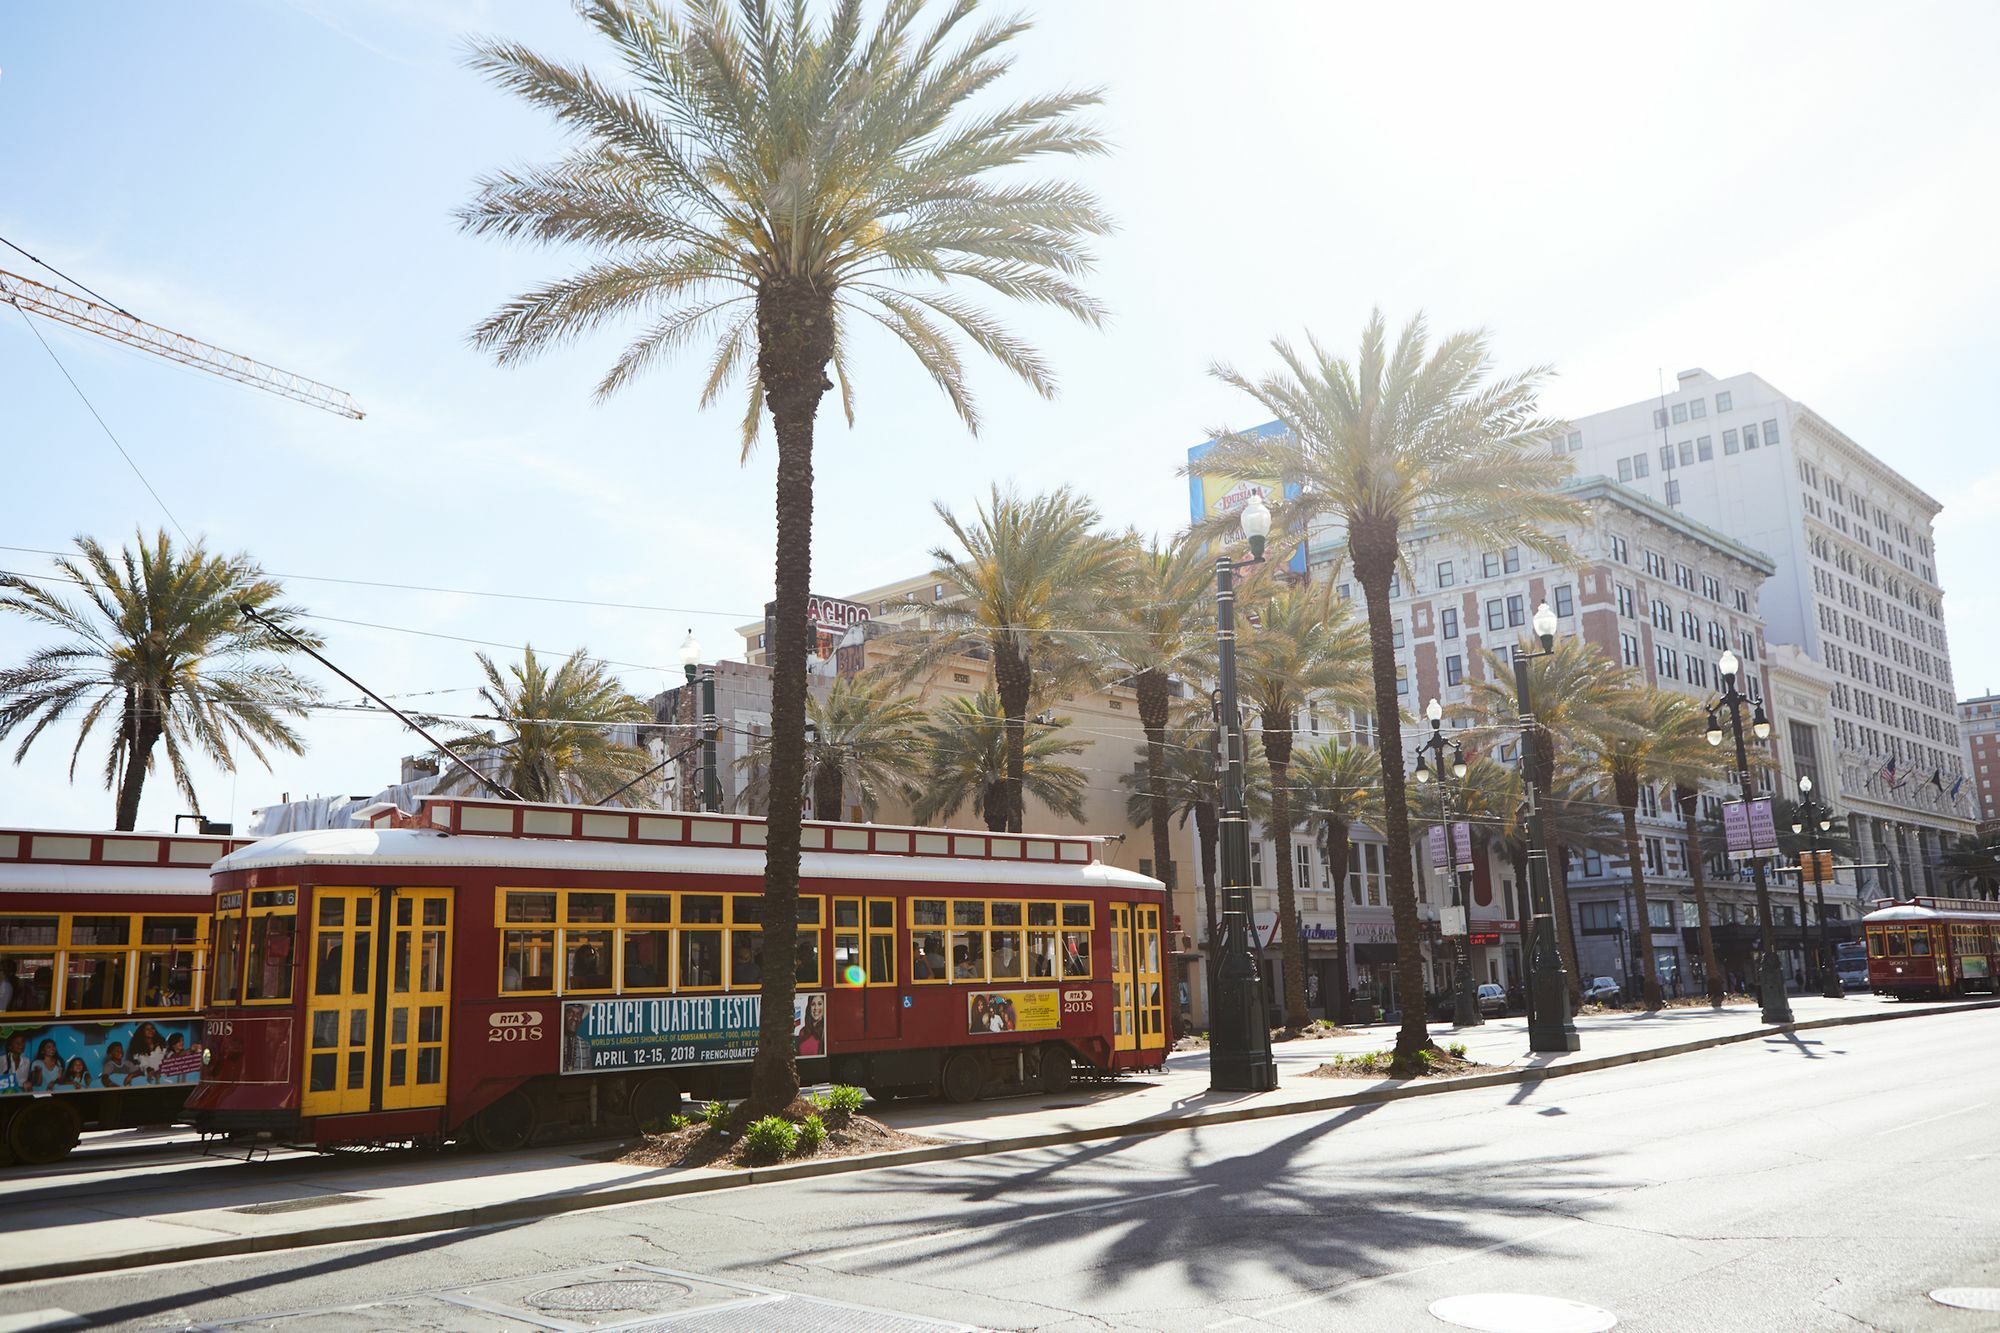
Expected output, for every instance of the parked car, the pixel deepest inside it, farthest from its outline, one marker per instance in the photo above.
(1601, 990)
(1492, 1000)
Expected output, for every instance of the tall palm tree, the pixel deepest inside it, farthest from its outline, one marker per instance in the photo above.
(964, 745)
(1657, 736)
(1409, 434)
(1031, 579)
(1687, 799)
(1164, 629)
(861, 740)
(1338, 789)
(1575, 690)
(761, 182)
(1299, 645)
(563, 747)
(154, 643)
(1974, 860)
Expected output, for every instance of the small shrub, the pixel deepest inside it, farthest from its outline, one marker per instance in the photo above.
(716, 1115)
(812, 1135)
(771, 1138)
(1456, 1050)
(841, 1099)
(675, 1122)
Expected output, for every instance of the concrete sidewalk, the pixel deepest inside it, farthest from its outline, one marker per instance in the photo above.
(105, 1214)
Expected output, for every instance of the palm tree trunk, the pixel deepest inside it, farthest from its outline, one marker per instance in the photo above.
(1642, 928)
(1336, 869)
(1154, 707)
(827, 791)
(146, 735)
(1278, 750)
(1711, 973)
(794, 346)
(1374, 561)
(995, 806)
(1013, 680)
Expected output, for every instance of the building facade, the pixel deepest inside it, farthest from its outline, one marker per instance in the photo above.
(1980, 720)
(1855, 589)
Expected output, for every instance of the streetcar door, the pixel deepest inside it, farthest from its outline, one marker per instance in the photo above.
(340, 1002)
(1124, 991)
(417, 1013)
(1148, 976)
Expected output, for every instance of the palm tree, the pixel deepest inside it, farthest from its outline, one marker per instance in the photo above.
(155, 643)
(1299, 645)
(1974, 860)
(1163, 630)
(1033, 577)
(861, 738)
(1687, 800)
(763, 182)
(964, 744)
(1339, 788)
(1410, 435)
(1657, 736)
(1575, 690)
(563, 747)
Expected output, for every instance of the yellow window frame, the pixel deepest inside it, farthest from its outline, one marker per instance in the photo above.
(142, 950)
(69, 949)
(252, 909)
(59, 964)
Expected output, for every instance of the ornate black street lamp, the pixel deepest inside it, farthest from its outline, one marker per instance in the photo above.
(711, 786)
(1812, 818)
(1464, 1002)
(1239, 1039)
(1550, 1026)
(1771, 996)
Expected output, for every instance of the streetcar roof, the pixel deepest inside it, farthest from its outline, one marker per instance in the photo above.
(55, 877)
(428, 848)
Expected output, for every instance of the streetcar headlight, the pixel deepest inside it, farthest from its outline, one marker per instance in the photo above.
(207, 1057)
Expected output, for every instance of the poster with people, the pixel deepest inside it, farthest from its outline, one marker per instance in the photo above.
(81, 1057)
(1013, 1011)
(600, 1035)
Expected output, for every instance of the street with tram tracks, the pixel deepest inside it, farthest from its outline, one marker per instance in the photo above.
(1823, 1179)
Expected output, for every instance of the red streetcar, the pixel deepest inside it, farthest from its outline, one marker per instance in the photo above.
(1933, 947)
(502, 970)
(102, 944)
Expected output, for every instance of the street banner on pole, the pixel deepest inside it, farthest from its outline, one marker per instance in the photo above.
(1748, 829)
(1461, 837)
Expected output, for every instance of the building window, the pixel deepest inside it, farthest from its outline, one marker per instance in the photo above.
(1445, 578)
(1771, 431)
(1402, 680)
(1750, 436)
(1576, 442)
(1256, 865)
(1618, 551)
(1680, 413)
(1624, 469)
(1687, 453)
(1673, 492)
(1640, 467)
(1454, 669)
(1565, 603)
(1496, 614)
(1729, 445)
(1305, 865)
(1489, 564)
(1723, 401)
(1704, 447)
(1698, 408)
(1510, 560)
(1805, 750)
(1396, 636)
(1448, 622)
(1666, 458)
(1628, 649)
(1659, 418)
(1667, 661)
(1711, 587)
(1697, 671)
(1594, 917)
(1516, 610)
(1625, 604)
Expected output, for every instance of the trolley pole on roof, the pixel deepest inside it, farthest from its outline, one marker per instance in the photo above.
(1239, 1036)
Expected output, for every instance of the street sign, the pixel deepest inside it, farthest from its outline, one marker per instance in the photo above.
(1451, 921)
(1748, 829)
(1462, 845)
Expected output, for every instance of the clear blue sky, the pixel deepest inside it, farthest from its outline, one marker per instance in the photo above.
(1800, 189)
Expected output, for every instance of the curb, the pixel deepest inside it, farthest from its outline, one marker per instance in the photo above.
(532, 1209)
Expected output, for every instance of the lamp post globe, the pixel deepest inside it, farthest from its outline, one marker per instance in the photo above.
(1256, 522)
(1545, 626)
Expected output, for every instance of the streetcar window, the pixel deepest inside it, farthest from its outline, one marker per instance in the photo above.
(808, 958)
(881, 941)
(1075, 952)
(1076, 914)
(702, 907)
(1920, 943)
(927, 955)
(808, 911)
(927, 911)
(327, 958)
(590, 908)
(228, 982)
(701, 960)
(1005, 952)
(589, 963)
(27, 964)
(531, 907)
(968, 913)
(649, 908)
(968, 955)
(648, 959)
(169, 947)
(846, 913)
(527, 962)
(747, 909)
(1876, 944)
(746, 959)
(1896, 943)
(271, 938)
(94, 978)
(1041, 914)
(1041, 951)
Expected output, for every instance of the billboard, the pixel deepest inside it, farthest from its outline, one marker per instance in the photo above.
(600, 1035)
(1211, 495)
(37, 1058)
(828, 618)
(1013, 1011)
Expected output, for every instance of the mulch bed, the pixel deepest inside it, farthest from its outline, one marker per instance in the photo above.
(698, 1145)
(1376, 1066)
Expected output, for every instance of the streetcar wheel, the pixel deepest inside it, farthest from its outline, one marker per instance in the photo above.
(654, 1101)
(507, 1124)
(882, 1095)
(44, 1131)
(964, 1077)
(1057, 1068)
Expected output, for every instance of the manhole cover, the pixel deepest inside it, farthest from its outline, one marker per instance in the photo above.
(1986, 1299)
(610, 1294)
(1509, 1312)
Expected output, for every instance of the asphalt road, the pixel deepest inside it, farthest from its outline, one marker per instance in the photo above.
(1822, 1181)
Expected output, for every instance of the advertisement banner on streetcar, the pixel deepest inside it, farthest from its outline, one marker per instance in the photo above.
(78, 1057)
(600, 1035)
(1013, 1011)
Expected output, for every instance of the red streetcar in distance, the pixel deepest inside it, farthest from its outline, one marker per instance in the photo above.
(1933, 947)
(103, 941)
(504, 970)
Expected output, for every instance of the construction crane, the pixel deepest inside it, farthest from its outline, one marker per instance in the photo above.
(34, 298)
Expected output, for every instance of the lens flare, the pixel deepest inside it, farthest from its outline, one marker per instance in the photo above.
(855, 976)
